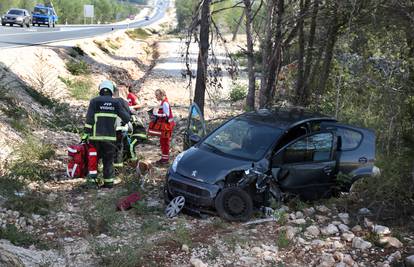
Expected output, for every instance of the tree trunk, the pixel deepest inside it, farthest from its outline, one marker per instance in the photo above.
(300, 97)
(329, 50)
(310, 50)
(250, 100)
(266, 51)
(202, 62)
(236, 31)
(272, 53)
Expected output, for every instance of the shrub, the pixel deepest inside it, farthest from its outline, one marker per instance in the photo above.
(29, 203)
(80, 89)
(238, 92)
(101, 46)
(16, 237)
(76, 51)
(77, 67)
(138, 33)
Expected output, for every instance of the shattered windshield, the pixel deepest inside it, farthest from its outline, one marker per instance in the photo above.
(243, 138)
(15, 12)
(40, 11)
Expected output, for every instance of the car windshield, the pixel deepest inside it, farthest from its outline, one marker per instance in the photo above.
(41, 11)
(15, 12)
(243, 138)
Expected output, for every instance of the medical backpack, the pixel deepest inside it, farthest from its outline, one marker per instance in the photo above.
(82, 161)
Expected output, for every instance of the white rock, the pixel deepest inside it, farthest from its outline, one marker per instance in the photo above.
(326, 260)
(268, 258)
(309, 211)
(409, 261)
(356, 229)
(313, 231)
(248, 260)
(347, 236)
(299, 215)
(390, 241)
(68, 239)
(341, 264)
(322, 209)
(338, 256)
(299, 221)
(396, 256)
(321, 218)
(290, 231)
(337, 245)
(318, 243)
(361, 244)
(257, 250)
(185, 248)
(348, 260)
(197, 262)
(364, 211)
(329, 230)
(343, 227)
(292, 216)
(344, 217)
(270, 248)
(381, 230)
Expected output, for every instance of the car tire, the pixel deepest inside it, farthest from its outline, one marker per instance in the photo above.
(3, 24)
(22, 25)
(54, 24)
(234, 204)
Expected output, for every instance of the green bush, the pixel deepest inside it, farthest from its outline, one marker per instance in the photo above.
(80, 89)
(77, 67)
(16, 237)
(138, 33)
(238, 92)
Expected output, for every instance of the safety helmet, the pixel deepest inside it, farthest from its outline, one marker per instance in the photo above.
(109, 85)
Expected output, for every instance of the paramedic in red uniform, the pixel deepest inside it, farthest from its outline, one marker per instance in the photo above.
(132, 100)
(100, 127)
(165, 116)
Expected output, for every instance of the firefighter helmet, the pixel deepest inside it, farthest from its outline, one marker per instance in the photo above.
(109, 85)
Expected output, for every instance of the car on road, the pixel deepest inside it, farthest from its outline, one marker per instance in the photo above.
(147, 17)
(44, 15)
(16, 16)
(265, 154)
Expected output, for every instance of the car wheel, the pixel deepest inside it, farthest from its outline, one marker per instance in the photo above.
(54, 24)
(22, 25)
(3, 24)
(234, 204)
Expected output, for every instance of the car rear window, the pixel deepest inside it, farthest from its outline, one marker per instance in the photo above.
(350, 139)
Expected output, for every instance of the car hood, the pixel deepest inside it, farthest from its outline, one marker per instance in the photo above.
(208, 167)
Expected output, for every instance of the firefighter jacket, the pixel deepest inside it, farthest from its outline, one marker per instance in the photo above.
(101, 118)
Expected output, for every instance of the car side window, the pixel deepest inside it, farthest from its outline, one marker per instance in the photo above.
(350, 139)
(313, 148)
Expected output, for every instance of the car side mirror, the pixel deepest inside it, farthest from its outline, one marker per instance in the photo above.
(194, 139)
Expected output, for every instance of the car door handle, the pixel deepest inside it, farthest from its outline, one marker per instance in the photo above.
(363, 160)
(327, 170)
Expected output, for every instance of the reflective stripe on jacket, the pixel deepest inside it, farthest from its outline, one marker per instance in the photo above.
(101, 118)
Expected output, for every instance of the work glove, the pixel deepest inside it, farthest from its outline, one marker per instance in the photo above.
(84, 137)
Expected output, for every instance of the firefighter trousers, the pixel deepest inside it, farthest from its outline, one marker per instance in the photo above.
(106, 152)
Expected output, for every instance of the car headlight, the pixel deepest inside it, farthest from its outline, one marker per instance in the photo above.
(176, 161)
(19, 18)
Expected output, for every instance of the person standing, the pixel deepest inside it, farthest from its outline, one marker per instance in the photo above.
(100, 127)
(165, 117)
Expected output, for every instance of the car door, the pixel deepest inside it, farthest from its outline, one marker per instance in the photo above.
(356, 151)
(307, 165)
(196, 126)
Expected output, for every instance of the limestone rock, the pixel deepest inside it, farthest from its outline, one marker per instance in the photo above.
(360, 243)
(409, 261)
(356, 229)
(347, 236)
(381, 230)
(326, 260)
(329, 230)
(389, 241)
(322, 209)
(197, 262)
(312, 231)
(344, 228)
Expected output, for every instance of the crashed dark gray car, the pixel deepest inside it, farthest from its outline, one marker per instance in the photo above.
(267, 153)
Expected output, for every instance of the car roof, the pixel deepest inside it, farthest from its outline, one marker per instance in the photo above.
(19, 9)
(284, 118)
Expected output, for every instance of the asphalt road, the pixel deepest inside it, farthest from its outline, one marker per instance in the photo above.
(17, 37)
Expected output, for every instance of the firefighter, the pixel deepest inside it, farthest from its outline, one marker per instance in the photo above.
(164, 115)
(100, 127)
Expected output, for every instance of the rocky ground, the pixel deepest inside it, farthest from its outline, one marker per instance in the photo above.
(59, 223)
